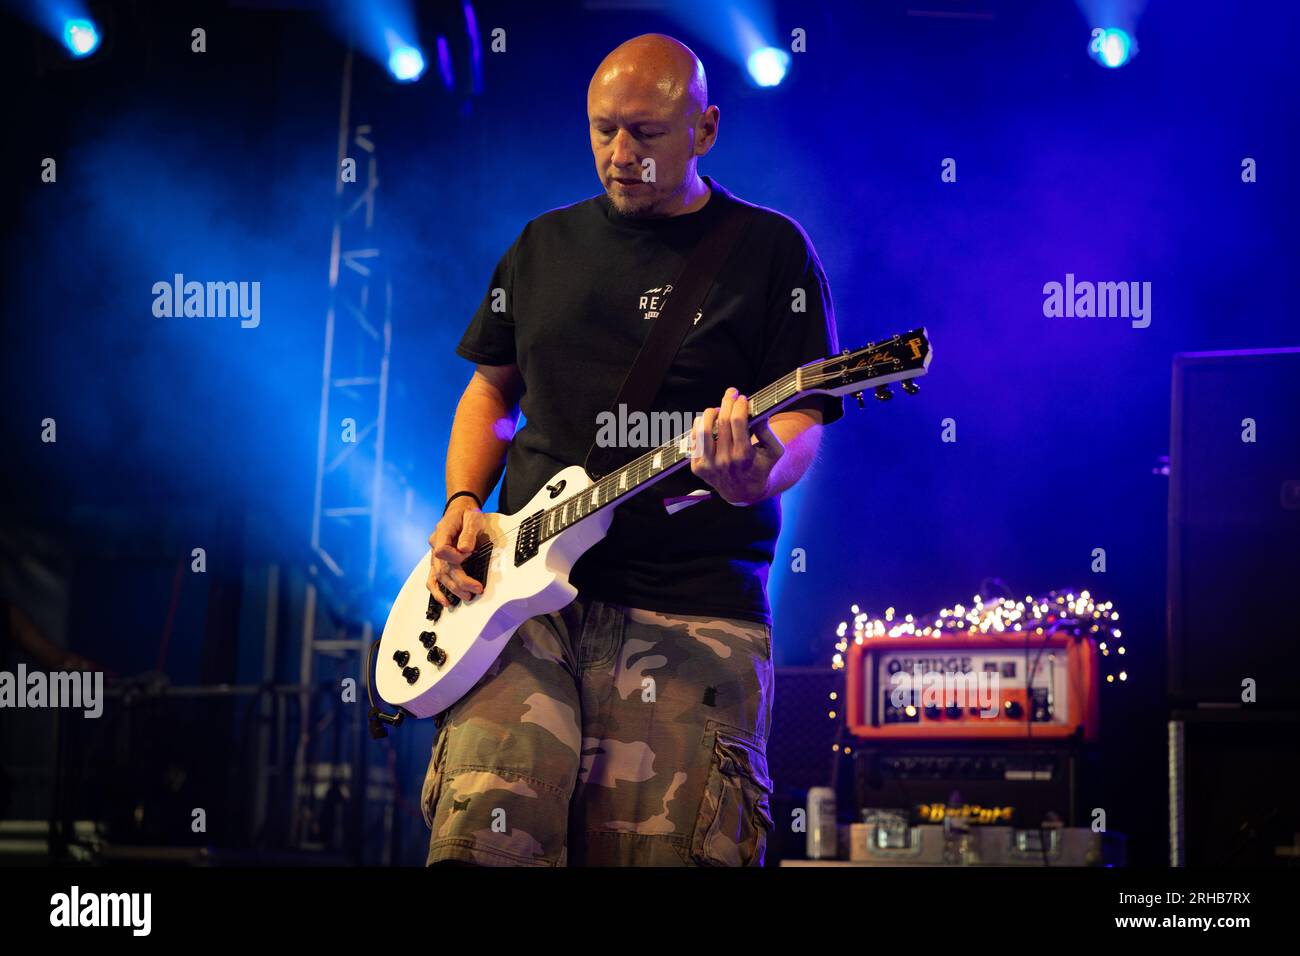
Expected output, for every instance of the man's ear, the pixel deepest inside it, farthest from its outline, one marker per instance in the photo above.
(708, 127)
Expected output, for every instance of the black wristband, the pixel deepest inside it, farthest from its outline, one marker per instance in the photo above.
(457, 495)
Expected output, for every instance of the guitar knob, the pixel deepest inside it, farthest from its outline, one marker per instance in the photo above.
(437, 656)
(434, 609)
(401, 657)
(883, 393)
(427, 638)
(858, 396)
(412, 674)
(911, 387)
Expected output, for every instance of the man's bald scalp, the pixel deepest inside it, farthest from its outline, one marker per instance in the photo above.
(668, 63)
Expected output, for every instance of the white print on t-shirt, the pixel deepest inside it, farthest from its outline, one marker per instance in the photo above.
(652, 303)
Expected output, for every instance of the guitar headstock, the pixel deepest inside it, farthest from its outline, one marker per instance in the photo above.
(902, 358)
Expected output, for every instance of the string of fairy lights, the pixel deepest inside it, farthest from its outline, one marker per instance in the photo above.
(1055, 613)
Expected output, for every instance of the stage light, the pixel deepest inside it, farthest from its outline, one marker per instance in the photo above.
(444, 63)
(406, 63)
(80, 37)
(1112, 47)
(768, 65)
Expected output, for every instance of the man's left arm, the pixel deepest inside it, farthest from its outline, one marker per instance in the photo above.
(800, 431)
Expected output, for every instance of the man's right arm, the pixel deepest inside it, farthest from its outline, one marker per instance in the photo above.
(481, 431)
(476, 454)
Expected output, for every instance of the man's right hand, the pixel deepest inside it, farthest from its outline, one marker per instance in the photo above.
(452, 541)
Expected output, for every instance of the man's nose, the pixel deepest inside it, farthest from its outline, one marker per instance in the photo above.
(623, 154)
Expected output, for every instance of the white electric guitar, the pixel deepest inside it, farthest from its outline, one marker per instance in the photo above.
(430, 656)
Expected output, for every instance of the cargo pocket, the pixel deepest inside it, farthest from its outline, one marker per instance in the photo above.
(735, 815)
(432, 788)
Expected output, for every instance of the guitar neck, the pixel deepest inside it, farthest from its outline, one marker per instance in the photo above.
(658, 463)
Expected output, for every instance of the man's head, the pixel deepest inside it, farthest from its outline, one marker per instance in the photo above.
(649, 101)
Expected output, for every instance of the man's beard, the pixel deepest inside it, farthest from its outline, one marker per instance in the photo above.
(641, 207)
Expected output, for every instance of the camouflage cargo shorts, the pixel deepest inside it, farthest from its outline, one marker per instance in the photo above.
(609, 736)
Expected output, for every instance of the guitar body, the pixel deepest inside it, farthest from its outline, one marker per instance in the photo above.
(473, 634)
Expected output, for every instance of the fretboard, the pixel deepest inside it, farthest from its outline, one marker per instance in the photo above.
(653, 465)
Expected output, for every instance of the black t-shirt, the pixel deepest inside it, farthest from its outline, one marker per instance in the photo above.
(581, 285)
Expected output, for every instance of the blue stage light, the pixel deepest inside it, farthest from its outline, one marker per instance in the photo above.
(406, 63)
(80, 37)
(1112, 47)
(768, 65)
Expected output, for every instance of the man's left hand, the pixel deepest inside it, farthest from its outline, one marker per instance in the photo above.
(736, 465)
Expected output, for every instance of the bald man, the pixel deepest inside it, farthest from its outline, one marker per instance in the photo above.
(630, 727)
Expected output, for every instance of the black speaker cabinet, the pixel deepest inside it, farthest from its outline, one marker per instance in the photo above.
(1034, 780)
(1234, 528)
(1234, 789)
(799, 748)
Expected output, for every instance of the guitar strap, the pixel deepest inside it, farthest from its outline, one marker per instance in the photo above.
(688, 297)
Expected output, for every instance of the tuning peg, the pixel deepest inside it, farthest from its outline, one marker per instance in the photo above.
(883, 393)
(911, 387)
(858, 396)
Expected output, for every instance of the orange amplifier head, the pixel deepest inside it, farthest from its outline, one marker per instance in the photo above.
(972, 687)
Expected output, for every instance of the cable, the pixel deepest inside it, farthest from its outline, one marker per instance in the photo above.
(376, 717)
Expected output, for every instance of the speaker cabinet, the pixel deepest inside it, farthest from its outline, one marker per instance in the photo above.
(1234, 528)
